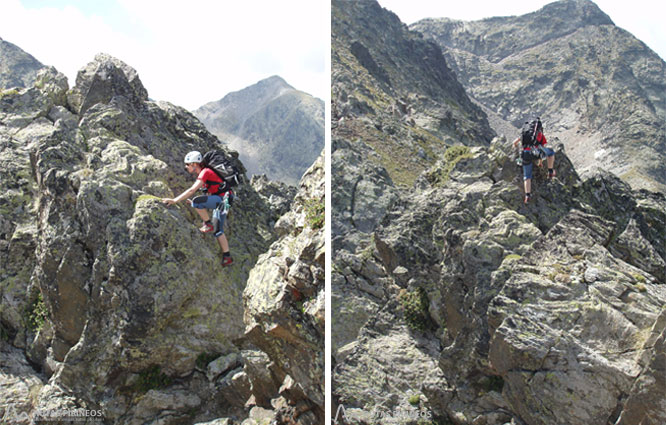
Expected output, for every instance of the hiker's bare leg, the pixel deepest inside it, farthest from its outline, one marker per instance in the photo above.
(550, 161)
(528, 186)
(203, 213)
(224, 244)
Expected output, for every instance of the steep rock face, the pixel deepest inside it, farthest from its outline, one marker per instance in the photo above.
(118, 300)
(396, 91)
(455, 302)
(277, 130)
(396, 108)
(17, 68)
(284, 310)
(596, 87)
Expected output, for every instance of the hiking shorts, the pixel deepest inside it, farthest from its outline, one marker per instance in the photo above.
(212, 202)
(545, 152)
(529, 156)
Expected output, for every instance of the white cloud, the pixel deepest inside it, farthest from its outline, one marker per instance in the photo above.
(64, 38)
(218, 47)
(187, 53)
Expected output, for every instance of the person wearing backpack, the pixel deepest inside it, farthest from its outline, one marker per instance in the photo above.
(533, 148)
(218, 198)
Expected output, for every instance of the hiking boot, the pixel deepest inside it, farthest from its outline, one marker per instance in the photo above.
(227, 261)
(551, 174)
(527, 198)
(206, 228)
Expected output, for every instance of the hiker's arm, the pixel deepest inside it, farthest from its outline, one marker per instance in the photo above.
(188, 193)
(515, 142)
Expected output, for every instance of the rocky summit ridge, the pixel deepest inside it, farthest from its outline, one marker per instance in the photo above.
(277, 130)
(114, 303)
(599, 90)
(453, 302)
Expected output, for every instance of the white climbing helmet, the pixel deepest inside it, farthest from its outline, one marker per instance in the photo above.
(193, 157)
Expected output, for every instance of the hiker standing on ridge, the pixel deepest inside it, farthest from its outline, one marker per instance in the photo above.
(533, 143)
(217, 199)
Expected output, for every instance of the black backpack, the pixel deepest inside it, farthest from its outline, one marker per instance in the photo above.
(223, 167)
(530, 131)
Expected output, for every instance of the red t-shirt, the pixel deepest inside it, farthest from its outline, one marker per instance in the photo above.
(540, 140)
(209, 179)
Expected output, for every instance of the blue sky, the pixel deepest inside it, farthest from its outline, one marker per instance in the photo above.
(643, 18)
(186, 52)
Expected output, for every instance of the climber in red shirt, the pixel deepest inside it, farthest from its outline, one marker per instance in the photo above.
(218, 199)
(533, 148)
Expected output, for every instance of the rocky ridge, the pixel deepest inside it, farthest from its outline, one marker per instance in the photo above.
(453, 302)
(598, 89)
(285, 309)
(111, 301)
(277, 130)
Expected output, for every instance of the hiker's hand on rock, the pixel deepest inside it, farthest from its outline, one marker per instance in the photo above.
(169, 201)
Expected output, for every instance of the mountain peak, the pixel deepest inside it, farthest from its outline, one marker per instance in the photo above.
(584, 12)
(277, 130)
(275, 80)
(499, 37)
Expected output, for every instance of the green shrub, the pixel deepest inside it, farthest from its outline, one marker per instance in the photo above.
(204, 358)
(414, 400)
(456, 153)
(415, 308)
(36, 313)
(4, 334)
(451, 157)
(8, 92)
(152, 379)
(492, 383)
(315, 212)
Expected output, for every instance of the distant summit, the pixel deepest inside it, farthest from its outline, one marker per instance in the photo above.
(597, 88)
(277, 130)
(17, 68)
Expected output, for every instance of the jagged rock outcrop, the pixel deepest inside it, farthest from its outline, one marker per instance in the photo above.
(454, 302)
(285, 309)
(277, 130)
(598, 89)
(490, 311)
(117, 301)
(18, 69)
